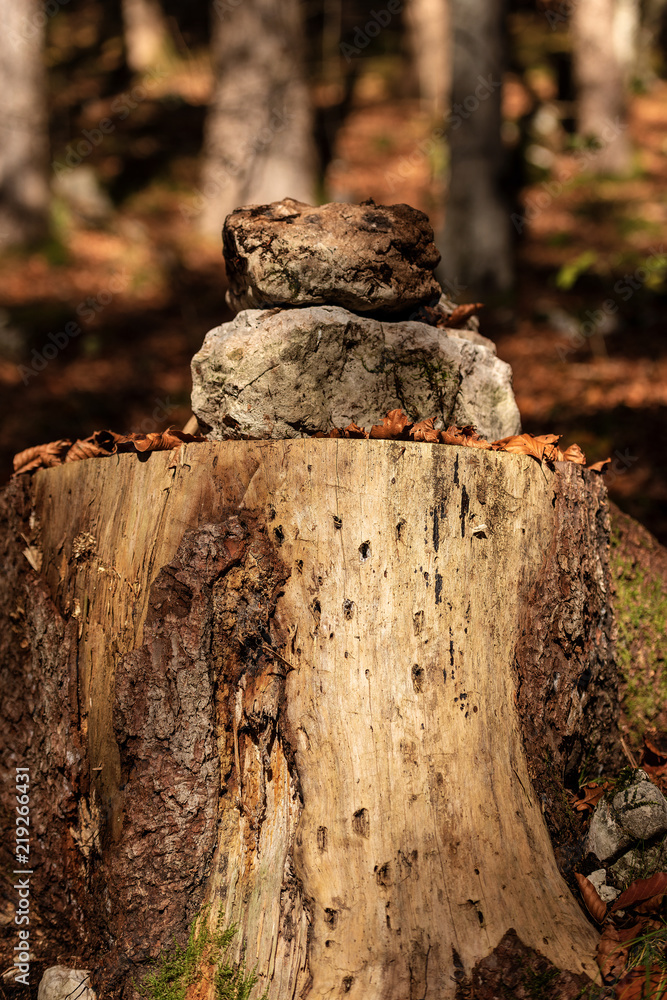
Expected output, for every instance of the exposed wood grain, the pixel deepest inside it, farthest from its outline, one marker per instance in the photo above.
(296, 671)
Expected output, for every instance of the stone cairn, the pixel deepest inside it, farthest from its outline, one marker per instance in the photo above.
(334, 325)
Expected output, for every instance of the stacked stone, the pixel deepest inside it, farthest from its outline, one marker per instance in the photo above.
(331, 329)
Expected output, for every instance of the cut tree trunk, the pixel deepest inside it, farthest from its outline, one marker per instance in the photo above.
(329, 685)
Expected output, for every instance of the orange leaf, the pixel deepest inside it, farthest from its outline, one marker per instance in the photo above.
(465, 436)
(423, 431)
(642, 984)
(574, 454)
(600, 466)
(461, 314)
(612, 952)
(521, 444)
(352, 431)
(394, 425)
(101, 444)
(595, 906)
(653, 749)
(43, 456)
(640, 890)
(592, 793)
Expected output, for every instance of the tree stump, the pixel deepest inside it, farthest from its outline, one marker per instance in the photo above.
(288, 678)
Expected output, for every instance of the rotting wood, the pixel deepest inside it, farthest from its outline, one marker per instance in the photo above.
(294, 662)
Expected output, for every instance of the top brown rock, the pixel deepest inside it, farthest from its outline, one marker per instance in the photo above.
(367, 258)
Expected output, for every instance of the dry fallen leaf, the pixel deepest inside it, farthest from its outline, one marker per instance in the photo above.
(461, 314)
(595, 906)
(101, 444)
(43, 456)
(592, 793)
(352, 431)
(573, 454)
(423, 431)
(640, 890)
(394, 425)
(612, 952)
(542, 448)
(600, 466)
(467, 437)
(642, 984)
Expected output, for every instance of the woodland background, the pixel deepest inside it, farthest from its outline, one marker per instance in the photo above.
(534, 134)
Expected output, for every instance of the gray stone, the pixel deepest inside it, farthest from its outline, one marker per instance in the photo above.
(61, 983)
(638, 864)
(607, 893)
(641, 809)
(368, 258)
(293, 372)
(606, 837)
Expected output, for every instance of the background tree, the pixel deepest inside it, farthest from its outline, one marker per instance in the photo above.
(602, 55)
(258, 139)
(476, 244)
(24, 189)
(427, 23)
(146, 33)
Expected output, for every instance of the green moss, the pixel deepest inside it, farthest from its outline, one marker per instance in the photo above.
(180, 967)
(641, 615)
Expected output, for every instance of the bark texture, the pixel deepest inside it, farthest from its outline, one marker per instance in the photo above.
(282, 677)
(24, 188)
(258, 141)
(477, 245)
(367, 258)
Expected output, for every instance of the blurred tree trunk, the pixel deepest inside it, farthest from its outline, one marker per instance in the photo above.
(428, 27)
(24, 150)
(476, 244)
(146, 33)
(600, 71)
(258, 139)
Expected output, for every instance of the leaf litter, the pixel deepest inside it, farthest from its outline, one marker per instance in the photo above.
(396, 426)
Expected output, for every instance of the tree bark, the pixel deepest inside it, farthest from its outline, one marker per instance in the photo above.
(428, 27)
(24, 150)
(146, 34)
(476, 245)
(600, 72)
(291, 679)
(258, 141)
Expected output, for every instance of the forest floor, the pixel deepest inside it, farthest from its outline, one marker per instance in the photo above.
(143, 287)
